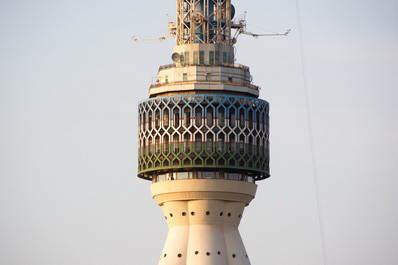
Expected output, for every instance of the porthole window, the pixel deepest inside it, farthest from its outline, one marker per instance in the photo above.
(240, 216)
(164, 255)
(192, 213)
(207, 213)
(233, 255)
(179, 255)
(219, 252)
(196, 252)
(229, 214)
(221, 214)
(184, 213)
(208, 253)
(171, 215)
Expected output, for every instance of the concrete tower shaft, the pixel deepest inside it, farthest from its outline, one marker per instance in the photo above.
(203, 139)
(203, 218)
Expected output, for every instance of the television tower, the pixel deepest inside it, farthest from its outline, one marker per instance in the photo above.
(204, 137)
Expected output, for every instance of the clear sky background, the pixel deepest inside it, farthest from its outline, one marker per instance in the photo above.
(70, 82)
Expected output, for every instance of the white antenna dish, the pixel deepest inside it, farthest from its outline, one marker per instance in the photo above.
(176, 57)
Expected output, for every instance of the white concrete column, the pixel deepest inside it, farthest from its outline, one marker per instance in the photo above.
(203, 218)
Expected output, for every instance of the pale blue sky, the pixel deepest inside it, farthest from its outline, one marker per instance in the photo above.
(70, 81)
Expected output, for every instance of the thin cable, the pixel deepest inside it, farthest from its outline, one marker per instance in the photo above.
(314, 165)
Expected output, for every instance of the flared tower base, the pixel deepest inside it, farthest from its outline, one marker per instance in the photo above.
(203, 216)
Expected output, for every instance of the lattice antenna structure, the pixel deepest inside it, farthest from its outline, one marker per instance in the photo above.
(203, 137)
(204, 21)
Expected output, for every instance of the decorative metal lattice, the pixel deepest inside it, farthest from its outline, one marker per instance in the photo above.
(206, 132)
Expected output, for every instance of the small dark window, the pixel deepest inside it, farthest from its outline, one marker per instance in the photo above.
(201, 57)
(211, 57)
(184, 213)
(217, 57)
(221, 214)
(219, 252)
(208, 253)
(196, 252)
(179, 255)
(164, 255)
(192, 213)
(195, 57)
(171, 215)
(233, 255)
(229, 214)
(186, 57)
(207, 213)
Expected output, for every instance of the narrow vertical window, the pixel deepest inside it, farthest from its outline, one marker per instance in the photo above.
(157, 145)
(157, 119)
(220, 143)
(209, 117)
(217, 57)
(224, 57)
(201, 57)
(198, 118)
(250, 119)
(251, 144)
(176, 119)
(150, 146)
(221, 117)
(143, 121)
(182, 58)
(186, 143)
(258, 120)
(184, 77)
(195, 57)
(232, 144)
(150, 120)
(166, 118)
(187, 118)
(242, 118)
(231, 58)
(166, 144)
(211, 57)
(242, 144)
(198, 143)
(176, 144)
(209, 144)
(232, 118)
(258, 146)
(186, 58)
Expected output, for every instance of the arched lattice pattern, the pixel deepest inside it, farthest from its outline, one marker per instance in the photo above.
(203, 132)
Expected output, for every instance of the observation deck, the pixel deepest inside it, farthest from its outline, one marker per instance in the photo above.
(204, 133)
(204, 78)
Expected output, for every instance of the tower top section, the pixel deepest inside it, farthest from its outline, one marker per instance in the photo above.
(207, 22)
(204, 22)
